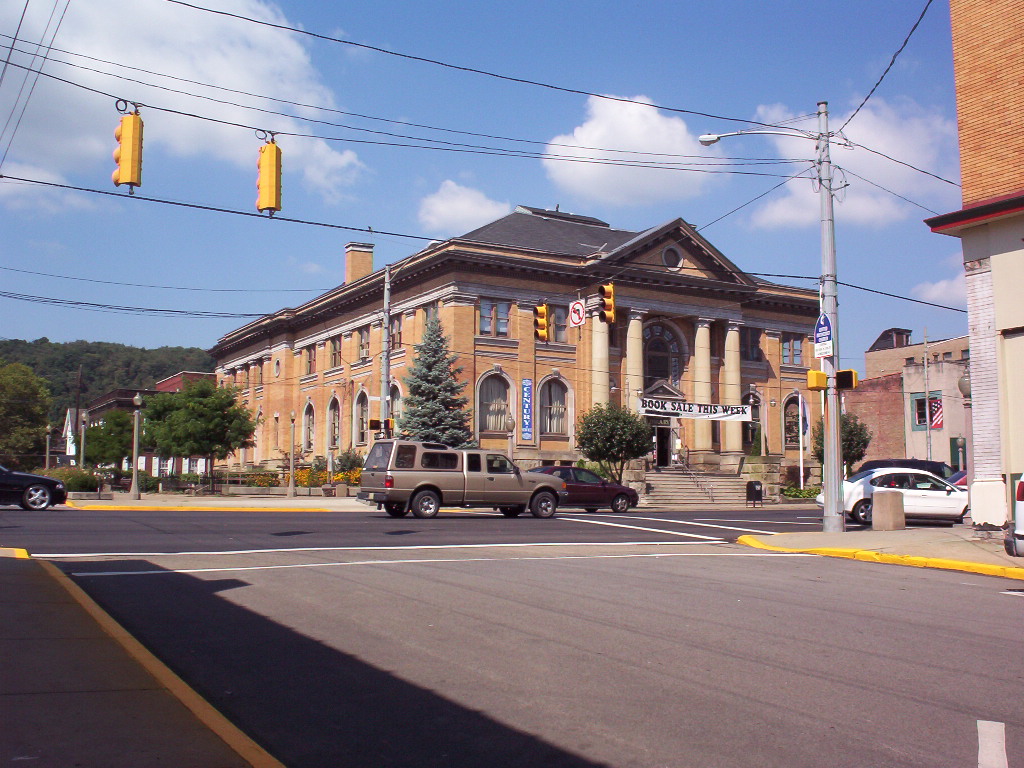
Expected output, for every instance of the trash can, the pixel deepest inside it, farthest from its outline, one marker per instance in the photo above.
(755, 493)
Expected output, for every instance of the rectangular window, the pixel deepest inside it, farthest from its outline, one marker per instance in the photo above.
(395, 333)
(259, 373)
(431, 460)
(947, 355)
(909, 361)
(311, 358)
(750, 344)
(494, 317)
(920, 411)
(247, 377)
(335, 351)
(559, 320)
(965, 354)
(431, 311)
(792, 349)
(364, 343)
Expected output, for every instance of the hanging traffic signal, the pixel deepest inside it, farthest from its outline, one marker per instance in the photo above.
(128, 154)
(817, 380)
(846, 379)
(389, 427)
(608, 302)
(268, 182)
(540, 322)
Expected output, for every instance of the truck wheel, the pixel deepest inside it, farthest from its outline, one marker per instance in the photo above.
(396, 509)
(543, 504)
(512, 511)
(426, 504)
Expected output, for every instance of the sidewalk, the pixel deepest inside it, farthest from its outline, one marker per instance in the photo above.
(77, 690)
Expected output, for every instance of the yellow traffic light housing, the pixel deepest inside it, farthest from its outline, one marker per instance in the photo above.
(846, 379)
(389, 427)
(541, 316)
(128, 154)
(608, 302)
(817, 380)
(268, 182)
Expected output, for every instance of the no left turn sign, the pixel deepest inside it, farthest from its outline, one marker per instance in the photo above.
(577, 314)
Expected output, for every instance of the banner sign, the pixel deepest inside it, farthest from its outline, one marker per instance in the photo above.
(526, 423)
(823, 346)
(656, 406)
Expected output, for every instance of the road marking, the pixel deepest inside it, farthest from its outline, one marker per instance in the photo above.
(715, 539)
(85, 555)
(687, 522)
(157, 572)
(1011, 592)
(755, 522)
(991, 744)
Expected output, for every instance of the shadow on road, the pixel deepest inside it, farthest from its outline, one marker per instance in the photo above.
(305, 702)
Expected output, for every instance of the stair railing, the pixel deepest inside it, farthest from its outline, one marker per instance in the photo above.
(703, 485)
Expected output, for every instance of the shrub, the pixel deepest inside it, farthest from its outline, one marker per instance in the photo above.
(594, 467)
(796, 492)
(348, 460)
(74, 479)
(262, 479)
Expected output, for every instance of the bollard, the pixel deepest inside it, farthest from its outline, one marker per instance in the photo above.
(887, 511)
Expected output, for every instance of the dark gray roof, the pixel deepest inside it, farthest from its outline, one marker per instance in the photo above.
(551, 231)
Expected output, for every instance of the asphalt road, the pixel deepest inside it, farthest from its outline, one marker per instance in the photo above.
(354, 639)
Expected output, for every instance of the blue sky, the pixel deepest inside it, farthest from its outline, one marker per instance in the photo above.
(766, 62)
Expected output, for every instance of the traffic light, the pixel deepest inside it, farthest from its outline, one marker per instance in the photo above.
(817, 380)
(608, 302)
(541, 330)
(374, 425)
(268, 182)
(846, 379)
(389, 427)
(128, 154)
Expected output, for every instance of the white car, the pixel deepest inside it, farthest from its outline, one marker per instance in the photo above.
(924, 494)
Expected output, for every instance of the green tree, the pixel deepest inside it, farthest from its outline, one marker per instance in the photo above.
(434, 409)
(854, 435)
(24, 405)
(111, 441)
(613, 436)
(200, 420)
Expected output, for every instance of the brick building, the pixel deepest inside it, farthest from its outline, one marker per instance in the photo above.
(690, 326)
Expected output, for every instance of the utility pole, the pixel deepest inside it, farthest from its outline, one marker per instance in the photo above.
(385, 353)
(927, 402)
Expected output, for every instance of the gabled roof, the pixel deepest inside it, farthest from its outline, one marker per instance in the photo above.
(551, 231)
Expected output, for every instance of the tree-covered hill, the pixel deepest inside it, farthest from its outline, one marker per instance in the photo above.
(105, 366)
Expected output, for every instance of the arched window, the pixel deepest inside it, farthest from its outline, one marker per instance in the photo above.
(751, 429)
(333, 424)
(553, 399)
(308, 427)
(791, 422)
(396, 402)
(493, 408)
(362, 418)
(657, 362)
(665, 355)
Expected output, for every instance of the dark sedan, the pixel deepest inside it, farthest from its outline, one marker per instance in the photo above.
(590, 491)
(30, 491)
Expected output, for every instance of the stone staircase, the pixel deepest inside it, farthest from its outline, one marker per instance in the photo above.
(674, 487)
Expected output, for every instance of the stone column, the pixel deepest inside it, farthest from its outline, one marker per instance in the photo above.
(702, 382)
(635, 357)
(599, 376)
(732, 431)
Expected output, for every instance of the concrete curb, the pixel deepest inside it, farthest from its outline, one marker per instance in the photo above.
(230, 734)
(871, 556)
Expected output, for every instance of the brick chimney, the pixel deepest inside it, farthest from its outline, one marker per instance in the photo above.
(358, 261)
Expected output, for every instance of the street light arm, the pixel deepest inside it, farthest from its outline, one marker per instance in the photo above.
(713, 138)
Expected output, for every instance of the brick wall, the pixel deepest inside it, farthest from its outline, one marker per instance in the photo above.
(878, 403)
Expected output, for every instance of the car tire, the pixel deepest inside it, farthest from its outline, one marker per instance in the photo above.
(512, 511)
(36, 498)
(543, 504)
(861, 512)
(396, 509)
(426, 504)
(620, 503)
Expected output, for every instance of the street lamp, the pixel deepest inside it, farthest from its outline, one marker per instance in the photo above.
(832, 471)
(133, 492)
(291, 461)
(49, 431)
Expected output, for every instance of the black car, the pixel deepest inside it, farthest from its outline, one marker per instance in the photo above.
(590, 491)
(939, 468)
(30, 491)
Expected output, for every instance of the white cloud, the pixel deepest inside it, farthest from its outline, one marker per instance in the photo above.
(67, 129)
(454, 209)
(633, 128)
(950, 291)
(905, 131)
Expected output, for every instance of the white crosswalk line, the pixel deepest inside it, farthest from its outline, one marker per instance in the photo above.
(991, 744)
(685, 522)
(714, 539)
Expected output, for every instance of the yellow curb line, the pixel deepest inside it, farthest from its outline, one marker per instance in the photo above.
(246, 748)
(15, 552)
(871, 556)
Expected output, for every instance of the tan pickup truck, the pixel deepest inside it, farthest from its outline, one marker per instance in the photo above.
(403, 476)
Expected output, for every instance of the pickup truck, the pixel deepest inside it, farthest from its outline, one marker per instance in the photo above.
(405, 476)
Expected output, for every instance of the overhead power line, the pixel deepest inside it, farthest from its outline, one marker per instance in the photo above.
(163, 287)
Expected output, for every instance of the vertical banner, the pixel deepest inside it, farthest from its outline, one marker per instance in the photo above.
(526, 422)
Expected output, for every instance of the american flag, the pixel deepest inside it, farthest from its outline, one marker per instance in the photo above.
(935, 406)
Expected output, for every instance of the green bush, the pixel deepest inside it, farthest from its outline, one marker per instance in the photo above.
(74, 479)
(348, 460)
(796, 492)
(594, 467)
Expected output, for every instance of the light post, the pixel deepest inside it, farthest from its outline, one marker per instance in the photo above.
(133, 492)
(291, 461)
(832, 471)
(81, 458)
(49, 430)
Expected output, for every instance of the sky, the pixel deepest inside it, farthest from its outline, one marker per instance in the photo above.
(382, 144)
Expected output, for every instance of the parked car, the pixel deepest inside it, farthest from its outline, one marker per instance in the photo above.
(959, 479)
(924, 495)
(33, 492)
(940, 468)
(1013, 542)
(591, 491)
(404, 475)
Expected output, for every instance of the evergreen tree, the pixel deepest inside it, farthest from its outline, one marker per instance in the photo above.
(434, 409)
